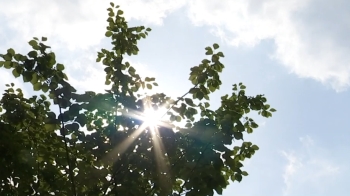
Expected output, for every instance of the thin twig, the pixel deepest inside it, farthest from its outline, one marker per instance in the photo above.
(178, 100)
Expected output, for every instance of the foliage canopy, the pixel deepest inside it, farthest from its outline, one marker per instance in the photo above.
(62, 142)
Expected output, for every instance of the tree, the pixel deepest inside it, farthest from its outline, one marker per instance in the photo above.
(62, 142)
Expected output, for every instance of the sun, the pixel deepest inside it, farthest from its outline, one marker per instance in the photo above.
(152, 117)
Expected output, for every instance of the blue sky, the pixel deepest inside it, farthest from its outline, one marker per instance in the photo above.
(296, 52)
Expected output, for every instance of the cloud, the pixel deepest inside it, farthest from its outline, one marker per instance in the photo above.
(78, 26)
(308, 168)
(73, 24)
(305, 44)
(150, 11)
(310, 36)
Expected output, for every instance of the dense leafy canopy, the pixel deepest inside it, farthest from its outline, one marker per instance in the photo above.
(62, 142)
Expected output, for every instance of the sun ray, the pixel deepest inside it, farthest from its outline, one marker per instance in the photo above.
(151, 119)
(121, 148)
(161, 159)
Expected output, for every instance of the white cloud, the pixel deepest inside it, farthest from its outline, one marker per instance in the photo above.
(308, 169)
(304, 47)
(73, 24)
(306, 39)
(150, 11)
(294, 164)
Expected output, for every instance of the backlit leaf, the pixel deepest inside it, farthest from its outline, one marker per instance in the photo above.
(37, 86)
(215, 46)
(15, 73)
(60, 67)
(11, 52)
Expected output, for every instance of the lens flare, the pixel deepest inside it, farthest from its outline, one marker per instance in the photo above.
(152, 117)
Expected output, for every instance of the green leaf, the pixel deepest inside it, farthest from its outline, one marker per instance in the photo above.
(44, 88)
(15, 73)
(108, 33)
(149, 86)
(37, 86)
(74, 137)
(50, 127)
(215, 46)
(199, 95)
(8, 64)
(111, 14)
(238, 135)
(189, 101)
(264, 113)
(255, 147)
(34, 79)
(254, 125)
(148, 79)
(238, 177)
(59, 67)
(188, 125)
(18, 57)
(249, 130)
(36, 47)
(220, 54)
(273, 110)
(120, 12)
(209, 51)
(107, 82)
(138, 29)
(218, 190)
(178, 118)
(7, 57)
(43, 39)
(27, 76)
(11, 51)
(33, 43)
(32, 54)
(81, 119)
(40, 159)
(266, 106)
(131, 70)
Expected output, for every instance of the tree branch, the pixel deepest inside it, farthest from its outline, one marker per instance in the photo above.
(63, 132)
(178, 100)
